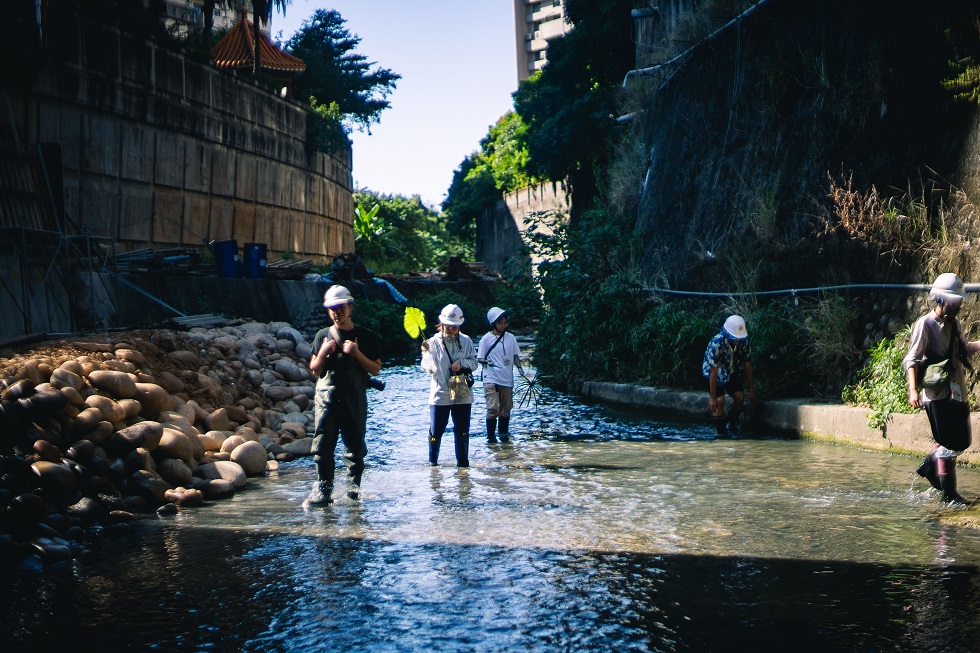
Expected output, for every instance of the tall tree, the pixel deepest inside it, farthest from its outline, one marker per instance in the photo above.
(499, 167)
(209, 7)
(337, 74)
(262, 12)
(567, 107)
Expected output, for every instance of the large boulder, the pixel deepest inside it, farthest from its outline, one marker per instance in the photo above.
(111, 411)
(144, 434)
(153, 399)
(225, 469)
(219, 421)
(174, 471)
(252, 457)
(174, 444)
(118, 384)
(291, 371)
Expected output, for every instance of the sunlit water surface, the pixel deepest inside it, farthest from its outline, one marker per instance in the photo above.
(598, 529)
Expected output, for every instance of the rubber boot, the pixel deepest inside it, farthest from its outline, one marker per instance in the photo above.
(505, 429)
(353, 490)
(320, 494)
(491, 429)
(720, 425)
(322, 489)
(434, 443)
(734, 426)
(927, 470)
(946, 468)
(462, 449)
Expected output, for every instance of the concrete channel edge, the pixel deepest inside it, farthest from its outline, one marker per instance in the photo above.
(835, 423)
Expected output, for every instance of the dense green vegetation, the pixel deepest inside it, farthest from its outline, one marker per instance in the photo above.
(500, 166)
(336, 74)
(396, 234)
(388, 318)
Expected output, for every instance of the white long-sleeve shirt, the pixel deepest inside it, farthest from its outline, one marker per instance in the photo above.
(436, 362)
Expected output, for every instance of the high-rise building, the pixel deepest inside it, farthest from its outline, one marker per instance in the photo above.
(188, 15)
(536, 22)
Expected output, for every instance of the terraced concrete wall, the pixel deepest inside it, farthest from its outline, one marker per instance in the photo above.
(161, 150)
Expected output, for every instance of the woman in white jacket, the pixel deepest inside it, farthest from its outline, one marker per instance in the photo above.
(449, 358)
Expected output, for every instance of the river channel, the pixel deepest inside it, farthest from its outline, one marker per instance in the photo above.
(597, 529)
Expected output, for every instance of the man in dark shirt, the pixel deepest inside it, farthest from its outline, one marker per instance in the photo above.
(345, 356)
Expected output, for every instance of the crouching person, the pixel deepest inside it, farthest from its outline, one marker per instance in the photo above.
(728, 368)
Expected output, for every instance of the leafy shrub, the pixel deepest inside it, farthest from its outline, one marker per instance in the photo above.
(881, 384)
(387, 320)
(520, 296)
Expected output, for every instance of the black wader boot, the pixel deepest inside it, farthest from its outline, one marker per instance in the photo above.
(734, 427)
(323, 486)
(947, 481)
(462, 449)
(720, 425)
(927, 470)
(434, 443)
(491, 428)
(505, 429)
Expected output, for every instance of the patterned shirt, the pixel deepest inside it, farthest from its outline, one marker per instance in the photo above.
(729, 356)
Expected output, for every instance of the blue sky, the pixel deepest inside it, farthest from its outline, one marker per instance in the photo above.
(458, 66)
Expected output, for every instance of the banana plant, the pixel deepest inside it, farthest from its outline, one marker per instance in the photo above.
(366, 222)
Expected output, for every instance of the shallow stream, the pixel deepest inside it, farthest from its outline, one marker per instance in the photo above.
(597, 529)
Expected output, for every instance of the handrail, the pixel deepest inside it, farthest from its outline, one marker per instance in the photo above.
(970, 287)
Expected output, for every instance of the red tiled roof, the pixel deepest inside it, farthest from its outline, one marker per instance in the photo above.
(236, 50)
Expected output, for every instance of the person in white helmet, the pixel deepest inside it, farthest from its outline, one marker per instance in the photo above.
(933, 366)
(728, 368)
(498, 353)
(345, 354)
(449, 358)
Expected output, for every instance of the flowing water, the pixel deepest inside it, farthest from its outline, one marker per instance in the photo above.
(598, 529)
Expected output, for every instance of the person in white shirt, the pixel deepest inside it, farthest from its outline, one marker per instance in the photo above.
(498, 353)
(449, 358)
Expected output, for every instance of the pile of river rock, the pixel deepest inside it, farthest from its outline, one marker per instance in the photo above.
(96, 431)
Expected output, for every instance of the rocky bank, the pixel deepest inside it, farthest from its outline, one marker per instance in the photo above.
(98, 431)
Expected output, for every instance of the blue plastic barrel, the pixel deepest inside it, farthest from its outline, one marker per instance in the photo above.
(253, 263)
(226, 256)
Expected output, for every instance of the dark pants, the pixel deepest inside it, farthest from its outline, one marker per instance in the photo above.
(439, 419)
(333, 422)
(950, 423)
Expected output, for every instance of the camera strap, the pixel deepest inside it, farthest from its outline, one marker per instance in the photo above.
(486, 356)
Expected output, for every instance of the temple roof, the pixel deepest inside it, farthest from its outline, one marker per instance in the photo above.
(236, 50)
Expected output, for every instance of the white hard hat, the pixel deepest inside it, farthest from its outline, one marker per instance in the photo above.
(451, 315)
(495, 314)
(735, 327)
(337, 296)
(947, 287)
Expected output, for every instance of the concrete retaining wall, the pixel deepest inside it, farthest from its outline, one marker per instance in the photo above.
(846, 425)
(498, 231)
(150, 147)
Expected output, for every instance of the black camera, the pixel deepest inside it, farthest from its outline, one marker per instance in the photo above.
(376, 382)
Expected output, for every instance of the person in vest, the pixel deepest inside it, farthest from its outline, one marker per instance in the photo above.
(345, 354)
(498, 353)
(449, 359)
(728, 368)
(933, 366)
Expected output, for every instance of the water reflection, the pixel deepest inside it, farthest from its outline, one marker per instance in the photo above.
(599, 529)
